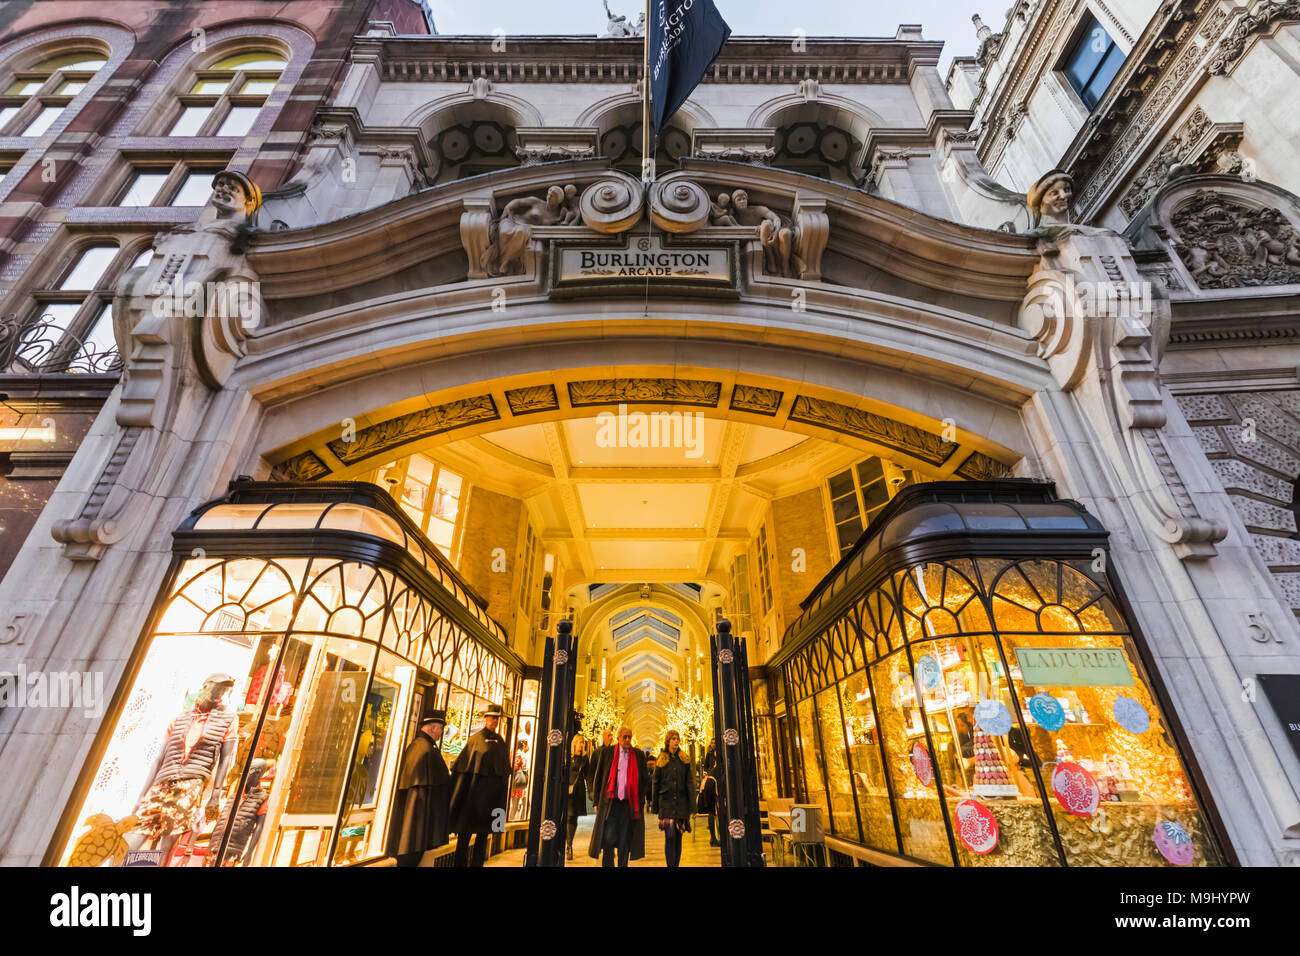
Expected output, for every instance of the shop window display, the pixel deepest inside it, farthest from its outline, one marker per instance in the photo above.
(862, 736)
(810, 750)
(524, 759)
(267, 707)
(844, 822)
(1005, 716)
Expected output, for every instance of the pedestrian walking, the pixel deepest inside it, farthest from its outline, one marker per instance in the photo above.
(480, 782)
(578, 774)
(422, 804)
(621, 780)
(674, 795)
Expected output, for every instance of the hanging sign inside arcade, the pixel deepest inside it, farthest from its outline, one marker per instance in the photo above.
(1074, 667)
(644, 263)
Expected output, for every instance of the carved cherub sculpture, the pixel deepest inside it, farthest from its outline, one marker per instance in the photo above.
(777, 238)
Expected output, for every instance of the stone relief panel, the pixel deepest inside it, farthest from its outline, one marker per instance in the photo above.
(1252, 440)
(534, 398)
(751, 398)
(608, 391)
(304, 467)
(428, 421)
(980, 467)
(872, 427)
(1226, 244)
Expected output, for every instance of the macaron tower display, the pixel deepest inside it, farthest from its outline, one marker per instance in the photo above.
(991, 776)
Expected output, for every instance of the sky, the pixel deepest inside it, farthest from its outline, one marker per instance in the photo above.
(947, 20)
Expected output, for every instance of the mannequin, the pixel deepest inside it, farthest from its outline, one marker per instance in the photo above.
(244, 819)
(197, 750)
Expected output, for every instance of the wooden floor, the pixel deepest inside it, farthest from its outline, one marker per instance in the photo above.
(695, 846)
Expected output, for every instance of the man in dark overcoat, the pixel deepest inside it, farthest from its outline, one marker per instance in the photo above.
(480, 783)
(422, 804)
(621, 783)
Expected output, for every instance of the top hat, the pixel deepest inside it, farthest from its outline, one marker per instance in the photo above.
(493, 710)
(434, 716)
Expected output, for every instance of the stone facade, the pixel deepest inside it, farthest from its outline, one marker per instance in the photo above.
(881, 292)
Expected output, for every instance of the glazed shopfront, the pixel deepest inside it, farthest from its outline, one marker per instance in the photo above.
(303, 631)
(965, 687)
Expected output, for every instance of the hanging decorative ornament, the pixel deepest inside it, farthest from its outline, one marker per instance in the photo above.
(1174, 843)
(1047, 712)
(1131, 715)
(1075, 788)
(921, 764)
(992, 717)
(929, 672)
(976, 826)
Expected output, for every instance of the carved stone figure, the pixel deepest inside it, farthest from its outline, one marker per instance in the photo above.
(619, 27)
(1226, 245)
(512, 232)
(776, 235)
(180, 321)
(720, 212)
(1050, 198)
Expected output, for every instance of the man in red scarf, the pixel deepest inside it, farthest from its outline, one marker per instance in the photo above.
(621, 781)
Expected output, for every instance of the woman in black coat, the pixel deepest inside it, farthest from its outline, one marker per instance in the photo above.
(579, 771)
(674, 796)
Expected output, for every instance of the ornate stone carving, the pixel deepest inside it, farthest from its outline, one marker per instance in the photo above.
(776, 234)
(304, 467)
(980, 467)
(872, 427)
(751, 398)
(476, 224)
(611, 205)
(670, 391)
(678, 205)
(480, 87)
(550, 153)
(510, 235)
(1177, 150)
(532, 398)
(812, 228)
(810, 90)
(1049, 199)
(421, 424)
(1106, 356)
(618, 25)
(1227, 245)
(1233, 46)
(181, 333)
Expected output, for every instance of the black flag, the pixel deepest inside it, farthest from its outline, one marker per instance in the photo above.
(685, 37)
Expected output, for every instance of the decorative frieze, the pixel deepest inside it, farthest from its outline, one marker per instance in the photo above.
(669, 391)
(407, 428)
(980, 467)
(873, 428)
(305, 467)
(751, 398)
(1177, 150)
(1233, 45)
(534, 398)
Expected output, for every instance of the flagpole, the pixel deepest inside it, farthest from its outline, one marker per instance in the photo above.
(647, 168)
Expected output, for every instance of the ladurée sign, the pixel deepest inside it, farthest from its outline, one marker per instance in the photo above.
(643, 258)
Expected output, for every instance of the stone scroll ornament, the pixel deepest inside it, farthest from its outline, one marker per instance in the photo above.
(679, 206)
(611, 205)
(180, 322)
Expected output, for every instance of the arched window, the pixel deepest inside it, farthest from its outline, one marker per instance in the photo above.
(37, 96)
(70, 329)
(225, 98)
